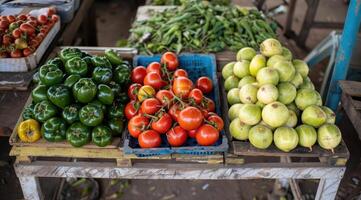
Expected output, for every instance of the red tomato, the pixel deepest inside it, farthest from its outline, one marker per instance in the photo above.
(205, 84)
(34, 43)
(182, 86)
(216, 121)
(155, 80)
(42, 19)
(33, 23)
(138, 74)
(149, 139)
(207, 135)
(27, 28)
(205, 113)
(16, 53)
(137, 125)
(31, 18)
(16, 33)
(196, 95)
(177, 136)
(4, 24)
(192, 133)
(22, 17)
(171, 60)
(6, 39)
(174, 111)
(154, 67)
(27, 52)
(11, 18)
(150, 106)
(208, 104)
(190, 118)
(131, 109)
(133, 90)
(51, 11)
(163, 124)
(54, 18)
(165, 97)
(180, 72)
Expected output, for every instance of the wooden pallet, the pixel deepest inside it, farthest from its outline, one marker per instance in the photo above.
(298, 155)
(351, 102)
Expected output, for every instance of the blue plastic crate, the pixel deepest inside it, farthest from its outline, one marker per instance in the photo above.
(196, 65)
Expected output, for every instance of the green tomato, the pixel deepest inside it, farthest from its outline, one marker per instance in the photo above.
(231, 82)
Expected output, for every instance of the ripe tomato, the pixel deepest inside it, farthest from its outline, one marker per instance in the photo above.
(207, 135)
(216, 121)
(16, 53)
(174, 111)
(11, 18)
(170, 60)
(190, 118)
(54, 18)
(182, 86)
(34, 43)
(27, 28)
(33, 23)
(51, 11)
(155, 80)
(149, 139)
(131, 109)
(145, 92)
(6, 39)
(154, 67)
(208, 104)
(31, 18)
(163, 124)
(138, 74)
(27, 52)
(42, 19)
(177, 136)
(137, 124)
(165, 97)
(4, 24)
(196, 95)
(205, 84)
(16, 33)
(150, 106)
(180, 72)
(22, 17)
(133, 90)
(192, 133)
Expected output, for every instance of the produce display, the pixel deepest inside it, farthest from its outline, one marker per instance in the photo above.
(21, 35)
(272, 100)
(164, 101)
(79, 98)
(198, 26)
(180, 2)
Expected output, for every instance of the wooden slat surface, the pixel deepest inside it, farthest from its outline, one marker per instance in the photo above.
(352, 88)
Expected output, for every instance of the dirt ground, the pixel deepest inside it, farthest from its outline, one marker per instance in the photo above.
(114, 18)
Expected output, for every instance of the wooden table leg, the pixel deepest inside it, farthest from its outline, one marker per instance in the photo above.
(31, 188)
(312, 6)
(327, 189)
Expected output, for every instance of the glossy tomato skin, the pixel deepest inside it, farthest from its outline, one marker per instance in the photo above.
(133, 90)
(190, 118)
(196, 95)
(155, 80)
(170, 60)
(6, 39)
(163, 124)
(42, 19)
(216, 121)
(27, 52)
(54, 18)
(149, 139)
(207, 135)
(16, 33)
(150, 106)
(27, 28)
(174, 111)
(131, 109)
(177, 136)
(192, 133)
(208, 104)
(165, 97)
(138, 74)
(16, 53)
(22, 17)
(180, 72)
(154, 67)
(11, 18)
(182, 86)
(205, 84)
(137, 124)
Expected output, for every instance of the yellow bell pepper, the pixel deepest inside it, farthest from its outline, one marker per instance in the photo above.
(145, 92)
(29, 131)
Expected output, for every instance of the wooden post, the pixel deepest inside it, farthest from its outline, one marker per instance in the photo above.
(327, 188)
(31, 188)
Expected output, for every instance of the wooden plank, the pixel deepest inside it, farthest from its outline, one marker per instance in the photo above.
(209, 159)
(31, 188)
(327, 188)
(353, 114)
(352, 88)
(15, 81)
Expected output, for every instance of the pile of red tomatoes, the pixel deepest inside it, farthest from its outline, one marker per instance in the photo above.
(165, 101)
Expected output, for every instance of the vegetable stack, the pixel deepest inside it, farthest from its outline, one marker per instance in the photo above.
(79, 98)
(200, 27)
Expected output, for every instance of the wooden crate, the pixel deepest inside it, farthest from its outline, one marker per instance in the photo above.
(299, 154)
(351, 102)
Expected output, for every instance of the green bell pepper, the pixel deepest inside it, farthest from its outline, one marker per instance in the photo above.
(39, 93)
(36, 78)
(99, 61)
(122, 98)
(13, 26)
(117, 125)
(91, 115)
(69, 53)
(105, 94)
(113, 57)
(59, 95)
(71, 80)
(78, 134)
(88, 60)
(54, 129)
(29, 112)
(116, 111)
(102, 75)
(84, 90)
(44, 110)
(71, 113)
(56, 61)
(99, 104)
(102, 136)
(115, 87)
(122, 75)
(76, 66)
(50, 75)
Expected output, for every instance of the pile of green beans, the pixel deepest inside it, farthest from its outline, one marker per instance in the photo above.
(198, 26)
